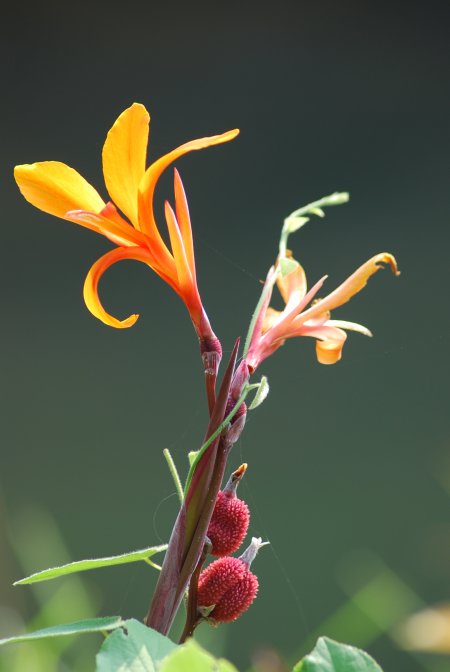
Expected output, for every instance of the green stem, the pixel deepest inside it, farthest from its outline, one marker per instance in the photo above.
(215, 434)
(267, 288)
(174, 474)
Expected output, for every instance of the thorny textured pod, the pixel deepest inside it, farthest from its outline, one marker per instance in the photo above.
(227, 587)
(230, 519)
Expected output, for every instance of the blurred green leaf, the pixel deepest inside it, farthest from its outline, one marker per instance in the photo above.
(191, 656)
(83, 565)
(77, 628)
(135, 648)
(331, 656)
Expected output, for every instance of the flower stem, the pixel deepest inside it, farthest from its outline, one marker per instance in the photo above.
(192, 616)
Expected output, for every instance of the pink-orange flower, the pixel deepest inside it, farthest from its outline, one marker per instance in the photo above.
(128, 219)
(273, 327)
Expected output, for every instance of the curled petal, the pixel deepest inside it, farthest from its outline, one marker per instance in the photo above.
(124, 154)
(56, 188)
(351, 286)
(153, 172)
(329, 351)
(90, 290)
(329, 343)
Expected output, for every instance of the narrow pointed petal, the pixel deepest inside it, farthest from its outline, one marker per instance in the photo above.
(289, 320)
(184, 221)
(354, 284)
(179, 254)
(118, 232)
(124, 155)
(153, 172)
(55, 188)
(90, 290)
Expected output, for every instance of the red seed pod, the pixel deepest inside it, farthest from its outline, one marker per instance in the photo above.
(229, 585)
(230, 518)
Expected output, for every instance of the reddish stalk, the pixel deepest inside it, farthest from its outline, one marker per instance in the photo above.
(192, 617)
(188, 535)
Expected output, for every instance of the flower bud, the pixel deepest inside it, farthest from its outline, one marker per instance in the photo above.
(230, 518)
(228, 586)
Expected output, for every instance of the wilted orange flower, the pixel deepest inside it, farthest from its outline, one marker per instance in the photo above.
(60, 190)
(273, 327)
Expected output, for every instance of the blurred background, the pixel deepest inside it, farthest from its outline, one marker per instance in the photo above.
(349, 466)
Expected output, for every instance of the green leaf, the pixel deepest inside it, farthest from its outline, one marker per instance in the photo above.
(82, 565)
(77, 628)
(330, 656)
(192, 657)
(135, 648)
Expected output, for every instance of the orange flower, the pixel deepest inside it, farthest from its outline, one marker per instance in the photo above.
(59, 190)
(273, 327)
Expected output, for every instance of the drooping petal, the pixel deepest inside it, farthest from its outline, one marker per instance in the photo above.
(329, 343)
(90, 290)
(56, 188)
(153, 172)
(184, 221)
(124, 155)
(329, 350)
(119, 232)
(351, 286)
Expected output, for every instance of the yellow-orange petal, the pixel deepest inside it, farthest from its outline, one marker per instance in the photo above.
(329, 344)
(184, 221)
(153, 172)
(292, 286)
(185, 279)
(124, 155)
(55, 188)
(270, 318)
(118, 232)
(354, 284)
(90, 290)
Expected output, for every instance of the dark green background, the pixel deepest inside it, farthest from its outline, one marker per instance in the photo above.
(328, 96)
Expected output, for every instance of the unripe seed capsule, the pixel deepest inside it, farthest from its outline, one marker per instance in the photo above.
(230, 518)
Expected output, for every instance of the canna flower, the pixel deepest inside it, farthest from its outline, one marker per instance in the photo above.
(127, 219)
(273, 327)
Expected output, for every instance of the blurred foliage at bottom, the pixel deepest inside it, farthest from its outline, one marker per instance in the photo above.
(379, 604)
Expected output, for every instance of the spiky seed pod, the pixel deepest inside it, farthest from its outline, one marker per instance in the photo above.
(229, 585)
(230, 518)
